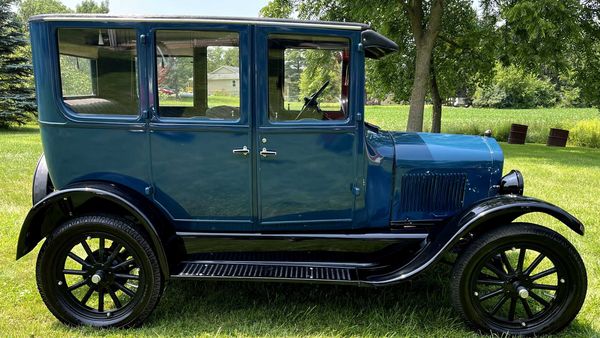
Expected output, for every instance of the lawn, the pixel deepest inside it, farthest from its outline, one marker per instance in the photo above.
(568, 177)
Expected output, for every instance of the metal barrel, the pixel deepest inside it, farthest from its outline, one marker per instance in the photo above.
(518, 133)
(558, 137)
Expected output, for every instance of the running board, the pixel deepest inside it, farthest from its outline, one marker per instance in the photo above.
(267, 271)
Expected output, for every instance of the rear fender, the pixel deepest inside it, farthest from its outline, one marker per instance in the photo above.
(96, 197)
(479, 218)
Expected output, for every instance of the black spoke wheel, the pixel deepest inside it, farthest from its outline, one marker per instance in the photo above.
(519, 279)
(99, 271)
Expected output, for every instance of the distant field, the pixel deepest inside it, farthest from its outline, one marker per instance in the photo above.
(478, 120)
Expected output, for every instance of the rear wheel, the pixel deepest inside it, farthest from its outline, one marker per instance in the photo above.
(519, 279)
(99, 271)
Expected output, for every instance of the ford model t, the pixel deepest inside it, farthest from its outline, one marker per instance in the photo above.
(236, 149)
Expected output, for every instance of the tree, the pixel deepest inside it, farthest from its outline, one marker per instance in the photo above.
(16, 99)
(555, 38)
(28, 8)
(90, 6)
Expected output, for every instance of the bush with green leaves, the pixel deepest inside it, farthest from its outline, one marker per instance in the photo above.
(586, 134)
(513, 87)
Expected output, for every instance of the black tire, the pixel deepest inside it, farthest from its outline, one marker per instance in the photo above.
(497, 287)
(78, 283)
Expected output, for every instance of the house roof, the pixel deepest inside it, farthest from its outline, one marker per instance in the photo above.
(224, 73)
(203, 19)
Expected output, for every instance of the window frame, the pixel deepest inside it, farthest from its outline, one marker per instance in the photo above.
(244, 83)
(264, 34)
(75, 116)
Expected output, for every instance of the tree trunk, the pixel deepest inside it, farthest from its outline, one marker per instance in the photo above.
(425, 34)
(419, 88)
(436, 118)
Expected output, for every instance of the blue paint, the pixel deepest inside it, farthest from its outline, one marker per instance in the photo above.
(338, 175)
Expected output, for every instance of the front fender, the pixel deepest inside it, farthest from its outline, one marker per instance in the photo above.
(64, 204)
(497, 210)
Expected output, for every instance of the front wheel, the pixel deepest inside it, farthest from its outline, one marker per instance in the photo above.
(519, 279)
(99, 271)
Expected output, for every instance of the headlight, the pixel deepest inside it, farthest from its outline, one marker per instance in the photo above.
(512, 183)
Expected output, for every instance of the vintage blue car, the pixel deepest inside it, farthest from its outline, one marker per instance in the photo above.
(185, 148)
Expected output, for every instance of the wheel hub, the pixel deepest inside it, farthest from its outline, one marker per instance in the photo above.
(97, 277)
(523, 292)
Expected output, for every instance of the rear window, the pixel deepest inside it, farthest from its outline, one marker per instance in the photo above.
(98, 70)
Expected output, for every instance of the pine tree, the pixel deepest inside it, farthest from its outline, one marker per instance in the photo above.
(17, 101)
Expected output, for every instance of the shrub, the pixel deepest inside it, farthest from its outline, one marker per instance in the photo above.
(514, 88)
(586, 134)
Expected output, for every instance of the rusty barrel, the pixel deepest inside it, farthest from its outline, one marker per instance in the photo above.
(518, 133)
(558, 137)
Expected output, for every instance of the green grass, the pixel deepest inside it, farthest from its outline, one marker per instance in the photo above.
(568, 177)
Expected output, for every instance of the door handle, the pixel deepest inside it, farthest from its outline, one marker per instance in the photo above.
(244, 151)
(266, 153)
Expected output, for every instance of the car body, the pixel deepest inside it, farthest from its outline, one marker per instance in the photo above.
(244, 186)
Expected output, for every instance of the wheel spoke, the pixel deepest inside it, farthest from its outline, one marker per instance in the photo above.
(114, 252)
(498, 305)
(512, 309)
(490, 281)
(534, 264)
(527, 308)
(88, 251)
(539, 299)
(122, 264)
(506, 263)
(100, 300)
(115, 299)
(124, 289)
(101, 244)
(87, 295)
(79, 260)
(127, 276)
(78, 284)
(491, 295)
(544, 273)
(74, 272)
(495, 270)
(544, 287)
(521, 260)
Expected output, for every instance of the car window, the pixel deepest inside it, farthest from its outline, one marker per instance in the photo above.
(308, 78)
(198, 74)
(98, 70)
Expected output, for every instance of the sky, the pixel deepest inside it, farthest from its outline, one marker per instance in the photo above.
(247, 8)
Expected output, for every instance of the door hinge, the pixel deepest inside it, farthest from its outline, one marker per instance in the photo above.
(149, 190)
(143, 39)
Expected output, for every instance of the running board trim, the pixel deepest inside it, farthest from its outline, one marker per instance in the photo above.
(266, 271)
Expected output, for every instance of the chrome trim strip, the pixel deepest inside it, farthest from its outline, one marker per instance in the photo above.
(317, 24)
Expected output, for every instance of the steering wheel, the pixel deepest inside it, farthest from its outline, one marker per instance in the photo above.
(312, 100)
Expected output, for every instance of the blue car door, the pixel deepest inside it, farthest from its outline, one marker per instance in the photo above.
(200, 130)
(307, 173)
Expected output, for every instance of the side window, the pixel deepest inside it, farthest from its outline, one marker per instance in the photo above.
(308, 78)
(98, 70)
(198, 74)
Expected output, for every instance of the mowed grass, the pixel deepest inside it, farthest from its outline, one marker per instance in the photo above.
(567, 177)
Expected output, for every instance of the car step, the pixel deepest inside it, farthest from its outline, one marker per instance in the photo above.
(266, 271)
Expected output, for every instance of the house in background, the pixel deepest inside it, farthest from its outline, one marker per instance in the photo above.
(224, 80)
